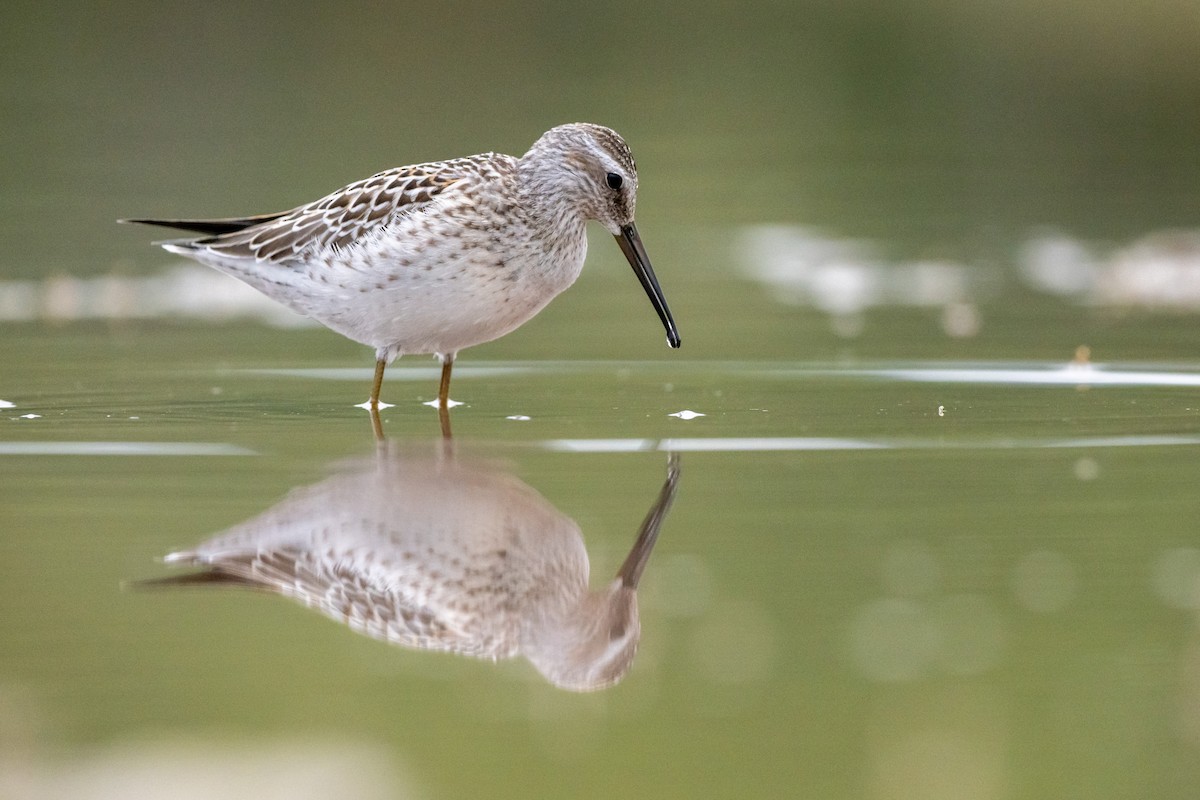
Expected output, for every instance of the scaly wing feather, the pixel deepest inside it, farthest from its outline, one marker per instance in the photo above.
(344, 594)
(336, 220)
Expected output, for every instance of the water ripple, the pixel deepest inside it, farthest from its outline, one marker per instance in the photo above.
(122, 449)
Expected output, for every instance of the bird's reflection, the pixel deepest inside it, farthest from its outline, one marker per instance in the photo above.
(443, 553)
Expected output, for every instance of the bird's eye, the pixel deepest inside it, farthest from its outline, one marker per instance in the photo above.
(614, 180)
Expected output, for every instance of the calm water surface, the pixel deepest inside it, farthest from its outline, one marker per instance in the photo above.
(852, 591)
(936, 419)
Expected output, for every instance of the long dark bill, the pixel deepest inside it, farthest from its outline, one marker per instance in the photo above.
(631, 570)
(635, 251)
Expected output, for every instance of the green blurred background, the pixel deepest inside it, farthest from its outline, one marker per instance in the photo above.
(928, 124)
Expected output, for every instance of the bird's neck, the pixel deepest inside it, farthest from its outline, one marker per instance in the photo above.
(551, 193)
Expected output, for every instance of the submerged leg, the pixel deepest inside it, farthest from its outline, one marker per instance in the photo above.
(376, 423)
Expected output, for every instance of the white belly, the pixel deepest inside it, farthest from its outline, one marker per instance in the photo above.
(422, 291)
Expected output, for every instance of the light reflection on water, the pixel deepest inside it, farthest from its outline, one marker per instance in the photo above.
(195, 768)
(35, 448)
(802, 444)
(1040, 375)
(981, 374)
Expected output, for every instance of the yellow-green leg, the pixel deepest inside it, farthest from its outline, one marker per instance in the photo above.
(444, 395)
(378, 384)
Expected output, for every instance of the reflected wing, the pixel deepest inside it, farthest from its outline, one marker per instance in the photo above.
(349, 596)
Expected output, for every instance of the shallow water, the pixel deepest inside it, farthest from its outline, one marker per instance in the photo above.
(936, 415)
(885, 575)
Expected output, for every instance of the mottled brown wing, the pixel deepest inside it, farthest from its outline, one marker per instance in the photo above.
(345, 216)
(346, 595)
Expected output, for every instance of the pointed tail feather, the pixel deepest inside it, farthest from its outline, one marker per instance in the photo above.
(214, 578)
(212, 227)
